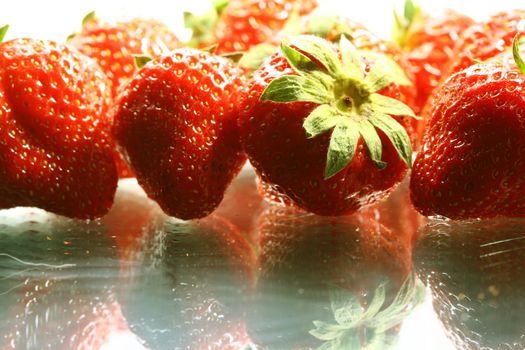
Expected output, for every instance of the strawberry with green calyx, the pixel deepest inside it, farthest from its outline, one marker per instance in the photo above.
(328, 131)
(56, 149)
(176, 124)
(471, 164)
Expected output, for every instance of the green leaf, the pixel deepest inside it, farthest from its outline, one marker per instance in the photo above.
(220, 5)
(386, 105)
(403, 24)
(372, 142)
(319, 49)
(342, 147)
(292, 88)
(384, 72)
(255, 57)
(326, 331)
(299, 62)
(322, 119)
(350, 58)
(88, 18)
(141, 60)
(396, 133)
(517, 55)
(3, 31)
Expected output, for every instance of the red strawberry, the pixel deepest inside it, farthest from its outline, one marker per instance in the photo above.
(487, 39)
(176, 122)
(429, 40)
(238, 25)
(114, 45)
(471, 163)
(301, 94)
(56, 152)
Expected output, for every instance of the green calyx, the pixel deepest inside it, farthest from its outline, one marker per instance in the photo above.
(90, 17)
(141, 60)
(203, 25)
(3, 32)
(403, 23)
(517, 54)
(349, 103)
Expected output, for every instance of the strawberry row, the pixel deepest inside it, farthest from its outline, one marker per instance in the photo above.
(328, 121)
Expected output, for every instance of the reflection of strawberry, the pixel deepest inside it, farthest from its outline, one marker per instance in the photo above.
(316, 128)
(474, 270)
(471, 164)
(302, 255)
(60, 276)
(191, 284)
(176, 122)
(132, 220)
(56, 152)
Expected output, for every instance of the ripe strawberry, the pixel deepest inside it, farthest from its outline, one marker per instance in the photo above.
(56, 152)
(473, 269)
(429, 41)
(238, 25)
(176, 122)
(306, 260)
(301, 94)
(487, 39)
(471, 164)
(113, 46)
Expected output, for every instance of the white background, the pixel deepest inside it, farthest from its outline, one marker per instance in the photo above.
(56, 19)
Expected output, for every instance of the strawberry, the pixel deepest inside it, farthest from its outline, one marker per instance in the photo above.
(473, 269)
(487, 39)
(429, 41)
(238, 25)
(471, 164)
(113, 46)
(56, 151)
(176, 122)
(313, 269)
(295, 100)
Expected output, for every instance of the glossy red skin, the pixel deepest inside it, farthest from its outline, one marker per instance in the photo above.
(487, 39)
(430, 46)
(56, 151)
(112, 46)
(471, 163)
(246, 23)
(282, 155)
(176, 122)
